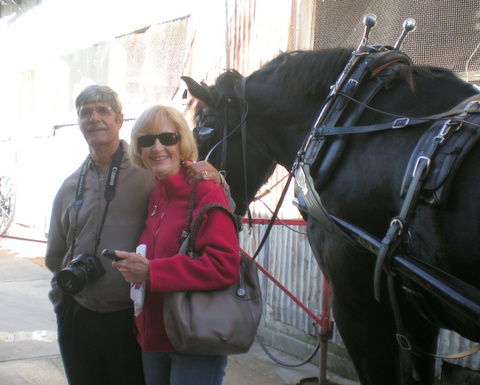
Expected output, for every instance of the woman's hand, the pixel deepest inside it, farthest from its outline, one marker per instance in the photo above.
(202, 170)
(132, 266)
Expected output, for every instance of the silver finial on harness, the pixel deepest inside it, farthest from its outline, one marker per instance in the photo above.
(369, 21)
(409, 25)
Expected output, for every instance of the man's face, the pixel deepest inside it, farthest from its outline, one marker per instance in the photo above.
(99, 123)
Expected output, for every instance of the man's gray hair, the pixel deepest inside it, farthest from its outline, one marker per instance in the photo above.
(99, 94)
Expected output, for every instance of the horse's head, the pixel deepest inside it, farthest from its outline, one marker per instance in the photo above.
(278, 104)
(218, 131)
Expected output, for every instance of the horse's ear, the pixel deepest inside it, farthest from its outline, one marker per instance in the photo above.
(198, 91)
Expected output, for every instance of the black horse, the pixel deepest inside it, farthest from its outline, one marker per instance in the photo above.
(279, 104)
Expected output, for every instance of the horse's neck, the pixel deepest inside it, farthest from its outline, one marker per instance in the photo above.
(284, 130)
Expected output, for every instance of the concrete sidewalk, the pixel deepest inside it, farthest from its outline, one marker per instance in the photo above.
(29, 352)
(28, 338)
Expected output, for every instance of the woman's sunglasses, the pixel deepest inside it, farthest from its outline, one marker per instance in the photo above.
(166, 139)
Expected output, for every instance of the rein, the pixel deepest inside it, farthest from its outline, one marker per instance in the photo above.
(244, 113)
(244, 153)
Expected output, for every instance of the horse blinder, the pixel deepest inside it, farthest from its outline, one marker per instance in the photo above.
(202, 134)
(202, 130)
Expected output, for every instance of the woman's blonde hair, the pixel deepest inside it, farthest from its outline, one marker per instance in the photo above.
(150, 121)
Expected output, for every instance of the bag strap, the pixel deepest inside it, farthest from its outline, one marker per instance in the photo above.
(186, 229)
(191, 229)
(198, 221)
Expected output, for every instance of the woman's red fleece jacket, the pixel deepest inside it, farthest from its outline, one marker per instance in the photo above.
(217, 244)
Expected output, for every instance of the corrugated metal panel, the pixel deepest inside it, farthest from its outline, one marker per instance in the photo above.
(287, 257)
(257, 33)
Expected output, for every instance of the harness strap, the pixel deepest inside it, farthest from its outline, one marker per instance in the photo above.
(223, 162)
(399, 225)
(360, 66)
(243, 126)
(274, 216)
(331, 113)
(402, 265)
(313, 202)
(243, 130)
(402, 337)
(395, 236)
(464, 107)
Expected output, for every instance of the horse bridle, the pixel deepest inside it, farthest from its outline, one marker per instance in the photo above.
(202, 134)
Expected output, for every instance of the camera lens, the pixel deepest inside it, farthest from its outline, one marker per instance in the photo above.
(82, 268)
(72, 279)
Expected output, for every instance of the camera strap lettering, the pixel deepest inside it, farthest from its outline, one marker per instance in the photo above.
(108, 194)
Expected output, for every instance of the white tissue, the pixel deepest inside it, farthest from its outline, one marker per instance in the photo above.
(137, 290)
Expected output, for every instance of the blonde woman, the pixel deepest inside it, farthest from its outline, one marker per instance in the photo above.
(162, 142)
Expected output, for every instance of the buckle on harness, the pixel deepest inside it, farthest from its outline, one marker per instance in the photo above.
(400, 122)
(473, 106)
(417, 165)
(404, 342)
(446, 128)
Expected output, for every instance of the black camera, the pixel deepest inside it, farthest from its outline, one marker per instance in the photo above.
(81, 269)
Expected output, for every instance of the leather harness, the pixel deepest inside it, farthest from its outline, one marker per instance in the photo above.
(428, 176)
(442, 148)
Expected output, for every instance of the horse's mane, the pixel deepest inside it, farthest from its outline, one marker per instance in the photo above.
(308, 73)
(305, 72)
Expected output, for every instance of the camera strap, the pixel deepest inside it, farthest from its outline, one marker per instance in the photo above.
(108, 194)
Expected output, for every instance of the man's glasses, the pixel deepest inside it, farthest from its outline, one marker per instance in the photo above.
(87, 112)
(165, 138)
